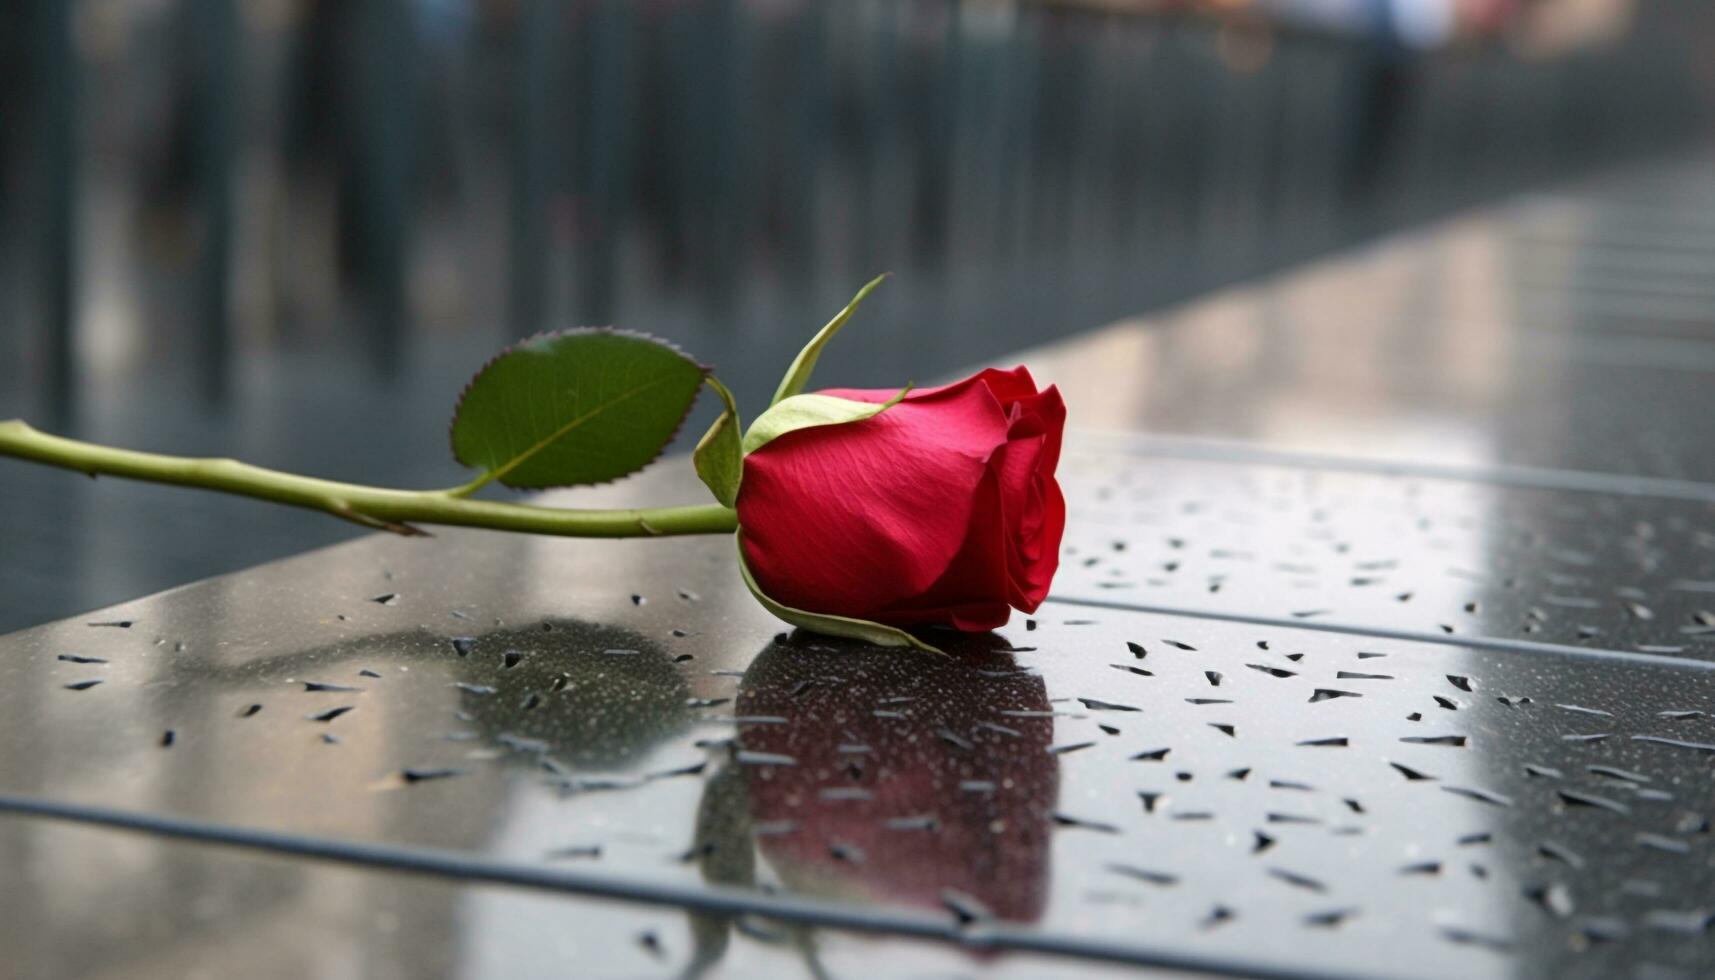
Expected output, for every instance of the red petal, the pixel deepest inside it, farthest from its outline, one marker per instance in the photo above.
(853, 519)
(1039, 573)
(1032, 524)
(1042, 413)
(971, 594)
(1006, 386)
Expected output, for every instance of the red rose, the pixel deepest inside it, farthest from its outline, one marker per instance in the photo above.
(942, 509)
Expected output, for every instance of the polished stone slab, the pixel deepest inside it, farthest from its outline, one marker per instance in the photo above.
(1401, 553)
(1309, 801)
(102, 906)
(1555, 331)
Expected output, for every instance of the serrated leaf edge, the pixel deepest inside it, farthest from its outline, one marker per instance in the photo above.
(561, 332)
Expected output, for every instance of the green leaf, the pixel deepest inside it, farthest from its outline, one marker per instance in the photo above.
(857, 629)
(573, 407)
(798, 375)
(719, 458)
(804, 411)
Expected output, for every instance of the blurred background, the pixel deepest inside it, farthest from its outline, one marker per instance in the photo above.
(287, 230)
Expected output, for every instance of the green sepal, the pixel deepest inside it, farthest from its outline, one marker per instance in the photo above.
(719, 458)
(798, 375)
(857, 629)
(806, 411)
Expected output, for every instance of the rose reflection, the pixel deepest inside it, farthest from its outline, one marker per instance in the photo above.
(914, 776)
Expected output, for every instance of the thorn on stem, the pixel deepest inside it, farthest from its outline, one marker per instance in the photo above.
(342, 509)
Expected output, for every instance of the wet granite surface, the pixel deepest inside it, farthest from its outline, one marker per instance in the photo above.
(1408, 673)
(1293, 796)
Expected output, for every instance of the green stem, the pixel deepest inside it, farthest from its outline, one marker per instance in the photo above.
(377, 507)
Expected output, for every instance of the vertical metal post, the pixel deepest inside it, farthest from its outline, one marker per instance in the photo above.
(384, 171)
(54, 76)
(602, 173)
(216, 98)
(533, 160)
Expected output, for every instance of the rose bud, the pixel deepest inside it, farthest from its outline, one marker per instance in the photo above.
(935, 507)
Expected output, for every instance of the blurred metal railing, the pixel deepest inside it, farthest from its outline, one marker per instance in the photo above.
(725, 171)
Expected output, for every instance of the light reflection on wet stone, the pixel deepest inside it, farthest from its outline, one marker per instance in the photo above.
(873, 805)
